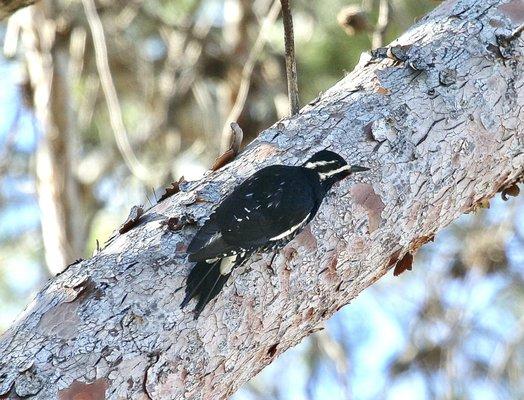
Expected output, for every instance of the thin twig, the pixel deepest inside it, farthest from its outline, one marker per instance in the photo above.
(506, 40)
(108, 87)
(291, 64)
(517, 32)
(382, 24)
(237, 135)
(247, 71)
(235, 141)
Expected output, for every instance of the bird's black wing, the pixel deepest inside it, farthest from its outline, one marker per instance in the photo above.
(268, 206)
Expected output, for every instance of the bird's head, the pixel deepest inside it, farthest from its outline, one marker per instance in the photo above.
(330, 168)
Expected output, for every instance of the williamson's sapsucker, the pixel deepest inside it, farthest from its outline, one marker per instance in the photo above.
(262, 214)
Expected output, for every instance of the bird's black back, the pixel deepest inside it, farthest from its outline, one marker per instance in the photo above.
(263, 213)
(262, 208)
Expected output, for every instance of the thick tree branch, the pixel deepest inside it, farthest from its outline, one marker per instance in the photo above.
(442, 128)
(291, 63)
(8, 7)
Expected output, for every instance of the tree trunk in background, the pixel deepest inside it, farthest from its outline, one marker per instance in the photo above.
(47, 60)
(442, 132)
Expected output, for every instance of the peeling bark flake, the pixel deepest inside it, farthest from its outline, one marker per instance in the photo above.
(272, 350)
(393, 259)
(223, 159)
(512, 191)
(417, 243)
(171, 190)
(132, 220)
(172, 224)
(364, 195)
(82, 391)
(406, 264)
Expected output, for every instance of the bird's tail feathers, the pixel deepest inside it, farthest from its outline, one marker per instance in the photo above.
(203, 283)
(215, 248)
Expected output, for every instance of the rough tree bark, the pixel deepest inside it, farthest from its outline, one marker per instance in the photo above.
(441, 127)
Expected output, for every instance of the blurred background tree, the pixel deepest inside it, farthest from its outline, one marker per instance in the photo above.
(104, 102)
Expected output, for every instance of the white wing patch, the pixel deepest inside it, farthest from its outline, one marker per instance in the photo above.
(226, 265)
(290, 230)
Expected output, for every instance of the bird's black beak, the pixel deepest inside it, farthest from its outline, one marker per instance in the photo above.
(357, 168)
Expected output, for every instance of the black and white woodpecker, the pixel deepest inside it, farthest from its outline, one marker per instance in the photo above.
(262, 214)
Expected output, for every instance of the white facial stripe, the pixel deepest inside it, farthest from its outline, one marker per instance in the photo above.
(313, 165)
(290, 230)
(326, 175)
